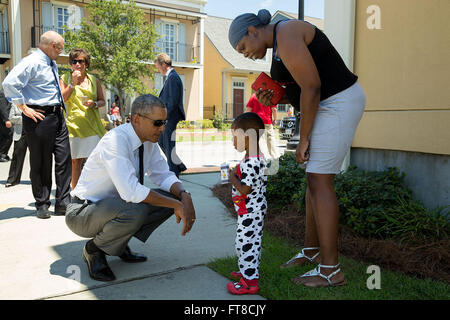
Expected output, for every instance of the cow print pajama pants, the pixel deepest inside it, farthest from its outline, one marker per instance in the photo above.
(248, 243)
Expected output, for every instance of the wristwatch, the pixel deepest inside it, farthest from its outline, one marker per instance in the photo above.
(185, 191)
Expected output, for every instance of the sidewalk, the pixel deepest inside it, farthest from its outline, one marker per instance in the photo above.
(41, 259)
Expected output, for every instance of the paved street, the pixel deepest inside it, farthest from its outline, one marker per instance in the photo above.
(41, 259)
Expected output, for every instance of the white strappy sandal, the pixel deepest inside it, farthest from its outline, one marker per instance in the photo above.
(299, 255)
(316, 272)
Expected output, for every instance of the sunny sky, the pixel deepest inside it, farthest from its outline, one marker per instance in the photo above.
(232, 8)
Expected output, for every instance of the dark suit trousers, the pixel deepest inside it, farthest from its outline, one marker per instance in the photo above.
(167, 143)
(47, 138)
(15, 169)
(6, 138)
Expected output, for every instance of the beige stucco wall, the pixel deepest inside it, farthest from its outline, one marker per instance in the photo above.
(191, 92)
(173, 5)
(404, 69)
(212, 76)
(26, 23)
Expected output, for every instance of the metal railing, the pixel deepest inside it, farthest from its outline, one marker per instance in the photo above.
(208, 112)
(232, 110)
(179, 52)
(37, 31)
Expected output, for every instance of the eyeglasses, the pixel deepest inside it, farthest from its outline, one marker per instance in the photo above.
(78, 61)
(156, 123)
(58, 47)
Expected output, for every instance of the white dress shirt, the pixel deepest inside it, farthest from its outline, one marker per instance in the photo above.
(112, 169)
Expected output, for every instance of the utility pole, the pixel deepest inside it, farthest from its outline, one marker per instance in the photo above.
(294, 141)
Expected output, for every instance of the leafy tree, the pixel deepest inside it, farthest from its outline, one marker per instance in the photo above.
(120, 42)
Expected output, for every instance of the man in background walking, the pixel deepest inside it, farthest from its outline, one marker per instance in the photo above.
(172, 96)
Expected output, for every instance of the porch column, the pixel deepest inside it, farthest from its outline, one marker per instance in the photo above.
(16, 34)
(202, 60)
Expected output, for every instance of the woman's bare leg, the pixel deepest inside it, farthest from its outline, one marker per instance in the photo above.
(76, 171)
(326, 217)
(311, 238)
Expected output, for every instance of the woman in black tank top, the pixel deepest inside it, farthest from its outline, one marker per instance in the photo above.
(315, 77)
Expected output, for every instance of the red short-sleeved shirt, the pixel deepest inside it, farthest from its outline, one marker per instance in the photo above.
(264, 112)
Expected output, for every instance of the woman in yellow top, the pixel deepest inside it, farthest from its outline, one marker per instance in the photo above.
(83, 95)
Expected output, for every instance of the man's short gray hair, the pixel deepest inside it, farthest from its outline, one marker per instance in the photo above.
(144, 104)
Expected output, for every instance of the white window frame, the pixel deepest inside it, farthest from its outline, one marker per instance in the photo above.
(64, 6)
(55, 16)
(165, 40)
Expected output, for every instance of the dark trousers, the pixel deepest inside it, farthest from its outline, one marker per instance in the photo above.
(6, 138)
(167, 143)
(47, 138)
(20, 150)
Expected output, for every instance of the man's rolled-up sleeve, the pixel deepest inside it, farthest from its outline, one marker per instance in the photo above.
(14, 83)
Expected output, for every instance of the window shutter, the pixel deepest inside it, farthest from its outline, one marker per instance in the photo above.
(47, 17)
(182, 47)
(159, 30)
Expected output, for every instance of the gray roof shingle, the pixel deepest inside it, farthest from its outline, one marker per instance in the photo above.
(216, 30)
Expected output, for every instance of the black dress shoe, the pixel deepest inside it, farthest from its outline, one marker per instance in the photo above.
(129, 256)
(97, 266)
(182, 167)
(42, 213)
(7, 185)
(60, 211)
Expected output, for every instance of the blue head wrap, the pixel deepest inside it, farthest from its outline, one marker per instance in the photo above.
(239, 26)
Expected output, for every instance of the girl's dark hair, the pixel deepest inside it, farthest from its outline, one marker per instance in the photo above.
(249, 120)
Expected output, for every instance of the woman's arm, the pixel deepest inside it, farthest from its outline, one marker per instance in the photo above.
(66, 90)
(293, 50)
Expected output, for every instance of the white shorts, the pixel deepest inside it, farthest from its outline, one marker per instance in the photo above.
(82, 147)
(334, 129)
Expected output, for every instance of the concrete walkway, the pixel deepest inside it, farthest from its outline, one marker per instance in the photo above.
(41, 259)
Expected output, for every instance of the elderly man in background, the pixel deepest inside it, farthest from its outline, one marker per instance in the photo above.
(33, 85)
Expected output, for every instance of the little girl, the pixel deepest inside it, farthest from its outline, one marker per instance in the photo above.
(249, 183)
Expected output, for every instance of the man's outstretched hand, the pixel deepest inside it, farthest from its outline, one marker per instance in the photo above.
(185, 213)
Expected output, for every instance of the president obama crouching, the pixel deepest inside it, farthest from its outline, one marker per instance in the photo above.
(110, 204)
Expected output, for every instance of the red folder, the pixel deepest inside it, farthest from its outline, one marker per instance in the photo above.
(264, 82)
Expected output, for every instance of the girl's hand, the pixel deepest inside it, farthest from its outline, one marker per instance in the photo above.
(302, 153)
(264, 97)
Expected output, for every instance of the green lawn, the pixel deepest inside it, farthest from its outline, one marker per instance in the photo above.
(275, 283)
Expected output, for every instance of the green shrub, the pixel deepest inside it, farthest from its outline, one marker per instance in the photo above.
(198, 124)
(206, 124)
(283, 188)
(185, 124)
(364, 196)
(373, 204)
